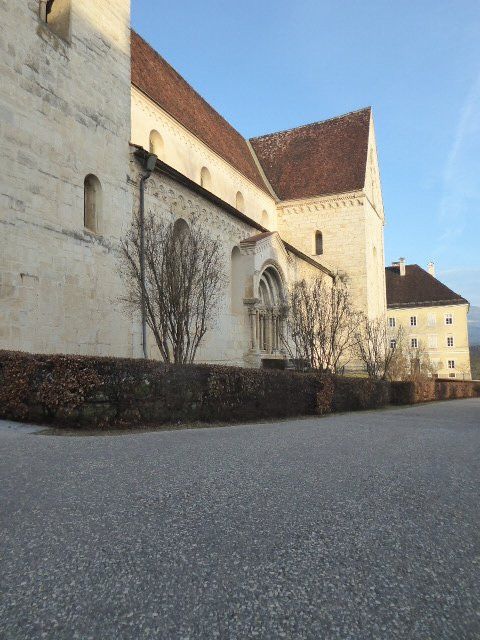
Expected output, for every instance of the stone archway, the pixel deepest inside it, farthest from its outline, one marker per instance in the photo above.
(266, 315)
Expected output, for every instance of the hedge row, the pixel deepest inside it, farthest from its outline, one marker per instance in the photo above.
(431, 390)
(85, 391)
(93, 391)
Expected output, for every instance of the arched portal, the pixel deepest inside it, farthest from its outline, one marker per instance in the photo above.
(268, 330)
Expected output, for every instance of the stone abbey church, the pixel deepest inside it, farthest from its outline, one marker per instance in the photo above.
(83, 99)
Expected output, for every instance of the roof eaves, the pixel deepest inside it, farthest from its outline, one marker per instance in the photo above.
(265, 188)
(429, 303)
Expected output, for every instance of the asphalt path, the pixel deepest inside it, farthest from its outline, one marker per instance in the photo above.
(354, 526)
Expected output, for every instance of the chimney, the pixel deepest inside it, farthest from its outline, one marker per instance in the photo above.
(402, 266)
(431, 268)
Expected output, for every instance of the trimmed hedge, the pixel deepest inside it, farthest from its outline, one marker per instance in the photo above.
(90, 391)
(82, 391)
(431, 390)
(352, 394)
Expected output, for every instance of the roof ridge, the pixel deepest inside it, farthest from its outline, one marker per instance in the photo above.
(311, 124)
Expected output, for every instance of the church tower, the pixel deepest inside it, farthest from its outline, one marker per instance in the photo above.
(64, 127)
(326, 179)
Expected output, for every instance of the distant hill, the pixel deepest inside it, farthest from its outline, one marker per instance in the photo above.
(474, 325)
(475, 362)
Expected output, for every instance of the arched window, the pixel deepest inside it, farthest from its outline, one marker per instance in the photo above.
(237, 281)
(265, 219)
(56, 13)
(205, 179)
(155, 143)
(92, 203)
(239, 202)
(318, 243)
(180, 228)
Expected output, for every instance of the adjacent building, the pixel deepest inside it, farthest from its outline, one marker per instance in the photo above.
(433, 317)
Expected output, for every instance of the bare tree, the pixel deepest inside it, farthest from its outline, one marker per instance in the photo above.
(321, 322)
(184, 277)
(376, 346)
(411, 363)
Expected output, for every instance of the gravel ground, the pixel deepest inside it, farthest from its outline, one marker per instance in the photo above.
(360, 526)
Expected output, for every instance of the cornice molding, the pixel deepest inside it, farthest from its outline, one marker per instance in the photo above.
(321, 203)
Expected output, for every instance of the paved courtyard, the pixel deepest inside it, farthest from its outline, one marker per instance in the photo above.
(358, 526)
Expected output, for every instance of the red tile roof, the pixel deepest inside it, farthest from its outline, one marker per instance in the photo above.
(417, 288)
(316, 159)
(158, 80)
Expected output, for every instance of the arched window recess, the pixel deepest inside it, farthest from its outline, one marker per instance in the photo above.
(155, 143)
(92, 203)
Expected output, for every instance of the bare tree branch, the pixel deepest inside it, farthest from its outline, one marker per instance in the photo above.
(377, 346)
(184, 277)
(322, 323)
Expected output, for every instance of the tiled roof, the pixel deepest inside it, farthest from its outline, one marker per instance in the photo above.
(160, 82)
(316, 159)
(417, 288)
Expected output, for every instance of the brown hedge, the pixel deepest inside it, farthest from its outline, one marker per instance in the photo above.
(68, 390)
(352, 394)
(81, 390)
(429, 390)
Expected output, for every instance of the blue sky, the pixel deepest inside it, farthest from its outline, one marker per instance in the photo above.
(268, 66)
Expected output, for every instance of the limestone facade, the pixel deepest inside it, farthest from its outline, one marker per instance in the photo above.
(64, 114)
(351, 225)
(67, 114)
(187, 154)
(243, 320)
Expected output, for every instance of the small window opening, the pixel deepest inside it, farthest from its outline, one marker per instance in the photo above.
(92, 203)
(240, 202)
(56, 13)
(318, 243)
(155, 143)
(180, 229)
(205, 179)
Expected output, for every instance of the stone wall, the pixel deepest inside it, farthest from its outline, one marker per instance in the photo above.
(229, 341)
(64, 114)
(351, 231)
